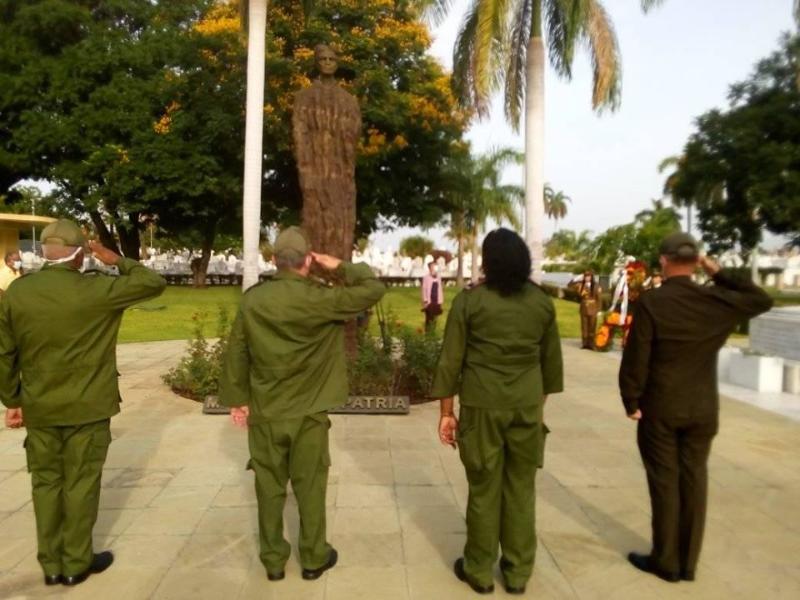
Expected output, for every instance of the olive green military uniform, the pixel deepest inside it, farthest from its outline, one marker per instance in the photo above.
(286, 362)
(58, 334)
(501, 355)
(669, 371)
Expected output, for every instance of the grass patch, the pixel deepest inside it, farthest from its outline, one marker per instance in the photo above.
(169, 317)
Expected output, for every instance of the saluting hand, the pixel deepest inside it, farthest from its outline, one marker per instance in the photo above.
(14, 418)
(710, 266)
(327, 262)
(103, 254)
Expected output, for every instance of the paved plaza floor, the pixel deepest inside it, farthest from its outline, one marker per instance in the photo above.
(178, 507)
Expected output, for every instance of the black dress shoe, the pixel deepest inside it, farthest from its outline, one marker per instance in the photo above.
(100, 563)
(311, 574)
(53, 579)
(687, 575)
(458, 569)
(277, 576)
(510, 589)
(642, 562)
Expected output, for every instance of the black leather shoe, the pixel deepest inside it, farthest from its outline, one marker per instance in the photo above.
(642, 562)
(311, 574)
(277, 576)
(458, 569)
(100, 563)
(510, 589)
(687, 575)
(53, 579)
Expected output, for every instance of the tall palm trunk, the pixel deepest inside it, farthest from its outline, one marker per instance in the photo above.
(475, 271)
(534, 147)
(689, 218)
(460, 262)
(254, 131)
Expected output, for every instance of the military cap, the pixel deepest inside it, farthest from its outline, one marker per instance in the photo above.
(63, 233)
(679, 245)
(292, 242)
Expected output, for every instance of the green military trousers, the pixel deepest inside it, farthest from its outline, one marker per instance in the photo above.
(501, 450)
(66, 464)
(293, 450)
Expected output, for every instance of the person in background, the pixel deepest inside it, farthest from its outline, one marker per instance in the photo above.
(591, 303)
(11, 270)
(58, 377)
(432, 296)
(283, 370)
(501, 354)
(668, 383)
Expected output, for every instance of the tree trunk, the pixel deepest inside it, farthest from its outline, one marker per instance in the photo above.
(254, 132)
(200, 265)
(475, 271)
(534, 152)
(460, 262)
(689, 218)
(129, 240)
(106, 238)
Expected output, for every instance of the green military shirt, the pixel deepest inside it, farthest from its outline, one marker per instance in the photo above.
(285, 357)
(500, 352)
(58, 336)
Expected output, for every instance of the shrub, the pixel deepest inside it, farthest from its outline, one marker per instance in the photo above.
(416, 246)
(197, 374)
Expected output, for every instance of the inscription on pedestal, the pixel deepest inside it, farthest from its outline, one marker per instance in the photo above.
(374, 405)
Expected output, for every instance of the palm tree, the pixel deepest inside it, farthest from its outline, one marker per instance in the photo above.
(488, 199)
(502, 45)
(671, 183)
(555, 203)
(254, 14)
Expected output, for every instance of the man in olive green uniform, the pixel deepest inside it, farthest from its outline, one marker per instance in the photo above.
(668, 383)
(502, 355)
(284, 368)
(58, 373)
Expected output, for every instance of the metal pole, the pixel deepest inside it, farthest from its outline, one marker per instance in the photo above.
(33, 226)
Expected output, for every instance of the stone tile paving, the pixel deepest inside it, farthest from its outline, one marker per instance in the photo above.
(178, 507)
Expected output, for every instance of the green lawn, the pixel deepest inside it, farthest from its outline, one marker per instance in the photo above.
(170, 317)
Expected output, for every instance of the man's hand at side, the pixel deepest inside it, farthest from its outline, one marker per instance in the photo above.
(14, 418)
(635, 416)
(239, 415)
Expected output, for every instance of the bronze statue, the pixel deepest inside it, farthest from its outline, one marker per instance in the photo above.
(326, 127)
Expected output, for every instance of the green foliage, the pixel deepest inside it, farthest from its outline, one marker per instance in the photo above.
(197, 375)
(416, 245)
(401, 361)
(741, 168)
(567, 244)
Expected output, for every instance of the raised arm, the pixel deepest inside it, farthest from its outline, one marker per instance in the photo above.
(740, 293)
(135, 283)
(360, 291)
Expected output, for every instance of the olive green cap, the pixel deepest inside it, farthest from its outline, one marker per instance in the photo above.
(679, 245)
(292, 242)
(63, 233)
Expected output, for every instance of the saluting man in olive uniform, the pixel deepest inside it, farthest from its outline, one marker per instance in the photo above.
(284, 368)
(668, 382)
(502, 355)
(58, 373)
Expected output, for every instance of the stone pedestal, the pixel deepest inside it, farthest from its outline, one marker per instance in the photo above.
(756, 372)
(777, 333)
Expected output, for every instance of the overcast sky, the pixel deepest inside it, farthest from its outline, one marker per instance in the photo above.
(678, 62)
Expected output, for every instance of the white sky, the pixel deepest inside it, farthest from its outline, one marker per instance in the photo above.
(678, 62)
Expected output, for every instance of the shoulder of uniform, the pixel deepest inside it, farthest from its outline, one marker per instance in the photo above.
(95, 273)
(257, 285)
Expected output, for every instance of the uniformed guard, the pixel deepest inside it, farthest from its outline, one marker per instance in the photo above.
(58, 374)
(502, 355)
(283, 369)
(668, 382)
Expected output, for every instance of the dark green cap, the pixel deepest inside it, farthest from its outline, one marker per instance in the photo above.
(679, 245)
(292, 242)
(63, 233)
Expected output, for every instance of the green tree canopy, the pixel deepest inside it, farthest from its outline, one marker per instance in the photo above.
(741, 168)
(416, 246)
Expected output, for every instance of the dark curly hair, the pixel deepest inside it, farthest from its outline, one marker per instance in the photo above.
(506, 261)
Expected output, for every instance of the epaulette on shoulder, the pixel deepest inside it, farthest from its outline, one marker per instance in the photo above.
(93, 273)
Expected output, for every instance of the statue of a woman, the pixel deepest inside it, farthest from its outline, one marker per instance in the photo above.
(326, 128)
